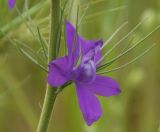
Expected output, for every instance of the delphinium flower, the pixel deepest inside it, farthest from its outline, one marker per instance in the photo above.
(88, 83)
(11, 4)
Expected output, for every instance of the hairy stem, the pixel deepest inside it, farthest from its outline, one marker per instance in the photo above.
(51, 93)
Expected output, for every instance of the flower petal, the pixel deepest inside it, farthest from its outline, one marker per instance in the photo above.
(91, 46)
(73, 47)
(11, 4)
(104, 86)
(59, 71)
(86, 45)
(89, 104)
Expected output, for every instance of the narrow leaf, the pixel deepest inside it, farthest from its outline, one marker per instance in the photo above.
(130, 62)
(104, 12)
(128, 50)
(114, 34)
(43, 44)
(119, 42)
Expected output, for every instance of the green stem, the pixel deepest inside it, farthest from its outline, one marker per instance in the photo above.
(51, 93)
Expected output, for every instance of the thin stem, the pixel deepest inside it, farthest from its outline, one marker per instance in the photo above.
(51, 93)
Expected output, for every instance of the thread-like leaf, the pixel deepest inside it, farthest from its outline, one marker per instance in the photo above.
(104, 12)
(119, 42)
(15, 22)
(24, 46)
(90, 3)
(28, 25)
(83, 15)
(60, 27)
(128, 50)
(77, 26)
(128, 63)
(43, 44)
(114, 34)
(128, 44)
(70, 9)
(33, 60)
(35, 31)
(30, 54)
(43, 20)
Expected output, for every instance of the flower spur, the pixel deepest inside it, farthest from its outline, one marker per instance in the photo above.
(88, 83)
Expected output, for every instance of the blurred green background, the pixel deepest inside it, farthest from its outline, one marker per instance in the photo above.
(22, 84)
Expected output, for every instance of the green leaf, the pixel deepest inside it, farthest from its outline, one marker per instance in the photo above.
(15, 22)
(119, 42)
(29, 50)
(128, 63)
(29, 23)
(32, 59)
(60, 26)
(104, 12)
(84, 14)
(30, 54)
(43, 43)
(114, 34)
(128, 50)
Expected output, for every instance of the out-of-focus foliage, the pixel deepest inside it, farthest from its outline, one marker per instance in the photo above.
(22, 84)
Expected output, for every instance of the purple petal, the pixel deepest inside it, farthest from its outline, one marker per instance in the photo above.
(86, 45)
(89, 104)
(59, 71)
(98, 56)
(91, 46)
(104, 86)
(11, 4)
(73, 47)
(70, 34)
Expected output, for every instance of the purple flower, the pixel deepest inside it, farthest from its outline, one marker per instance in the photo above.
(88, 83)
(11, 4)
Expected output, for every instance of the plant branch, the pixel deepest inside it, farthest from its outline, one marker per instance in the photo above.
(51, 93)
